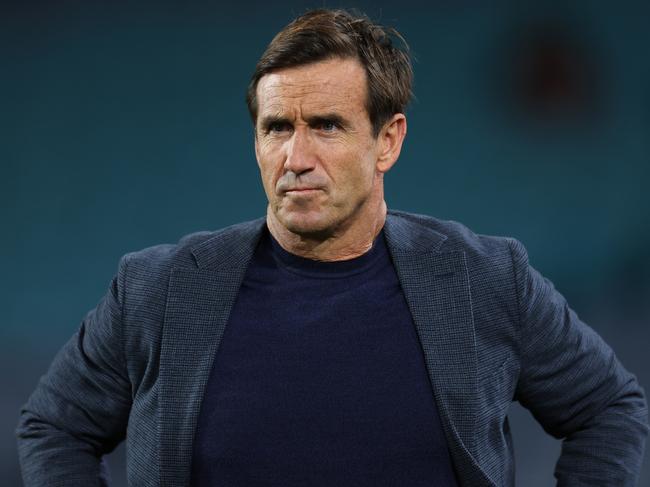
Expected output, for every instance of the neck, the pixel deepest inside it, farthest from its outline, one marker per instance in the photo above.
(340, 245)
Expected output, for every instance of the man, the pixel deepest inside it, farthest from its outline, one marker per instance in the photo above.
(332, 342)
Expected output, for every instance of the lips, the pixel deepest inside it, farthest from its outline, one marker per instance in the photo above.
(290, 184)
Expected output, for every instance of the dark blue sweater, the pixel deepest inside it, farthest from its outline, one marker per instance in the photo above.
(320, 381)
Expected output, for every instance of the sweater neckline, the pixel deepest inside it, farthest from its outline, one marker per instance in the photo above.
(327, 269)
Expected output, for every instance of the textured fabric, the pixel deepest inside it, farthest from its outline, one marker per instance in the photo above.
(492, 330)
(320, 381)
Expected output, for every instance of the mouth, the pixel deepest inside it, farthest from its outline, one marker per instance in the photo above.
(302, 190)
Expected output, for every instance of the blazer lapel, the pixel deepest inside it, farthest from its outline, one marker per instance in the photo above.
(436, 288)
(199, 301)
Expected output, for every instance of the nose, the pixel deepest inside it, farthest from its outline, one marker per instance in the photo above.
(300, 154)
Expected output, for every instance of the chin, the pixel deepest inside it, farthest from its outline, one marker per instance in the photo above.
(305, 225)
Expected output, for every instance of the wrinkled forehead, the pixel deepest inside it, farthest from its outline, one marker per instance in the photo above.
(332, 85)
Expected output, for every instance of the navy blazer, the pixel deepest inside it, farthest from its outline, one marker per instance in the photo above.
(492, 329)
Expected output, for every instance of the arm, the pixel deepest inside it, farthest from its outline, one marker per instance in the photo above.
(80, 408)
(576, 388)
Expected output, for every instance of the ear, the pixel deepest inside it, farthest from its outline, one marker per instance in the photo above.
(390, 141)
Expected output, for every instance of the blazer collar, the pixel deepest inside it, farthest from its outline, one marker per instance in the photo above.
(233, 246)
(406, 232)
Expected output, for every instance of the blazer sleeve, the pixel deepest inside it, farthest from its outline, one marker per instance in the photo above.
(577, 389)
(80, 407)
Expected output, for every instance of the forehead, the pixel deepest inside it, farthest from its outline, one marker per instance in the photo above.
(334, 84)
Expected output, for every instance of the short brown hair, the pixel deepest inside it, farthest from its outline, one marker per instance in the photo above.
(324, 34)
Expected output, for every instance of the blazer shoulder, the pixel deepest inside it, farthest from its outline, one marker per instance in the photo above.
(457, 237)
(158, 260)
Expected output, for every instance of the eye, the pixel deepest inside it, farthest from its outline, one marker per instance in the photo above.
(278, 128)
(328, 126)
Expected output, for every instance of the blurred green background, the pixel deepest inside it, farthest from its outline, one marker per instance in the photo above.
(123, 125)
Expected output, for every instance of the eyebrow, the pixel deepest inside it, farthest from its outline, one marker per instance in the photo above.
(327, 117)
(269, 120)
(312, 120)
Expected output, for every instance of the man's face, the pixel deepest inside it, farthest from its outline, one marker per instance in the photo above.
(315, 148)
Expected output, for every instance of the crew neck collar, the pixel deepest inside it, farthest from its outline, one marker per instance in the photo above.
(326, 269)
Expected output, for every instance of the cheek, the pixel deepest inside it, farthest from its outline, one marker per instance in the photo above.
(360, 170)
(352, 182)
(270, 164)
